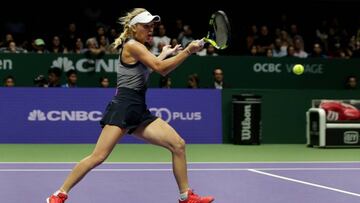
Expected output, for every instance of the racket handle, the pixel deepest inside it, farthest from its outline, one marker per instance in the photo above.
(201, 42)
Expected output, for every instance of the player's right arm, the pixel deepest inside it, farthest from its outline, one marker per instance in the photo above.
(139, 52)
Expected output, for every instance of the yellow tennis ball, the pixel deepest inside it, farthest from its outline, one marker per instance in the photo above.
(298, 69)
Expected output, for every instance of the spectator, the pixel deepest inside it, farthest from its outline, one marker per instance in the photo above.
(92, 49)
(79, 46)
(104, 82)
(299, 48)
(54, 74)
(264, 41)
(40, 81)
(193, 81)
(218, 80)
(56, 46)
(39, 46)
(12, 48)
(8, 38)
(279, 49)
(71, 36)
(186, 36)
(71, 79)
(165, 82)
(290, 51)
(269, 53)
(254, 51)
(351, 82)
(317, 51)
(211, 51)
(160, 40)
(252, 36)
(9, 81)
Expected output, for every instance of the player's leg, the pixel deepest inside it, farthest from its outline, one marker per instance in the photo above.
(161, 133)
(108, 138)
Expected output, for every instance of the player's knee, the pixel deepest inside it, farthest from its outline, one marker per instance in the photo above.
(179, 146)
(98, 158)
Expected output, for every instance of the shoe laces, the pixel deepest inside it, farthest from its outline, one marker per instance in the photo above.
(62, 196)
(194, 195)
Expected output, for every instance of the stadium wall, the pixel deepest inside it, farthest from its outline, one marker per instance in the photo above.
(240, 71)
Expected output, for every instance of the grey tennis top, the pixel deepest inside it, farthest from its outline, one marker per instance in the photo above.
(132, 76)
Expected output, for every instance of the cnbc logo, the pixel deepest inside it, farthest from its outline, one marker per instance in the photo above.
(86, 65)
(38, 115)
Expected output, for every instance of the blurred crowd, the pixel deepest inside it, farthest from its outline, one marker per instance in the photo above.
(325, 38)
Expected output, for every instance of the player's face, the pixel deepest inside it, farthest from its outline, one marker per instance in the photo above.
(144, 32)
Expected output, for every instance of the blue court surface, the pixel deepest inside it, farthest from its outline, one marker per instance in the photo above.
(272, 182)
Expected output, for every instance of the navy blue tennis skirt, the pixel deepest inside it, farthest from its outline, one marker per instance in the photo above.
(127, 110)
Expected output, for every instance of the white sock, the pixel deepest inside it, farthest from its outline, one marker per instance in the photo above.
(184, 196)
(59, 191)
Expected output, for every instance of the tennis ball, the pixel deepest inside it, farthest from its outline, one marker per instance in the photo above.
(298, 69)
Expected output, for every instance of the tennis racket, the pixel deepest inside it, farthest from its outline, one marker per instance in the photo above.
(219, 32)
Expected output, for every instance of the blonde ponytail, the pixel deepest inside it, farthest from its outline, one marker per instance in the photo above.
(125, 20)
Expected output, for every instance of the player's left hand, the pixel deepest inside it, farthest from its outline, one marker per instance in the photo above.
(167, 50)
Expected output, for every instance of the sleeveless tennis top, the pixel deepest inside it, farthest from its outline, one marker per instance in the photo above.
(132, 76)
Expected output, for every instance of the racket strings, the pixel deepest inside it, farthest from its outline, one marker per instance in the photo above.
(221, 31)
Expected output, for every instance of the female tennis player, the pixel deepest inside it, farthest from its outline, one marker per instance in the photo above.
(128, 113)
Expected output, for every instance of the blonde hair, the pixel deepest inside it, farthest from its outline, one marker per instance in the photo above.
(125, 20)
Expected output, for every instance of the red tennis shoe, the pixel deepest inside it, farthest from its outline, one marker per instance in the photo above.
(57, 197)
(194, 198)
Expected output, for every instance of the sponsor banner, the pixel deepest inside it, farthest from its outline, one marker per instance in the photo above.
(249, 72)
(61, 115)
(342, 137)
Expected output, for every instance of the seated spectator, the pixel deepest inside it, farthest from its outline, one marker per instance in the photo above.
(92, 49)
(186, 36)
(218, 79)
(165, 82)
(264, 41)
(160, 40)
(211, 51)
(9, 81)
(12, 48)
(104, 45)
(56, 46)
(254, 51)
(71, 79)
(299, 48)
(317, 51)
(40, 81)
(104, 82)
(193, 81)
(279, 49)
(351, 82)
(54, 74)
(39, 46)
(290, 51)
(79, 46)
(269, 53)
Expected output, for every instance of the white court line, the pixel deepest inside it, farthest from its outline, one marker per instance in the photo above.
(191, 169)
(304, 182)
(267, 162)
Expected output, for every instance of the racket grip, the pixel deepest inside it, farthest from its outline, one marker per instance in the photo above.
(201, 42)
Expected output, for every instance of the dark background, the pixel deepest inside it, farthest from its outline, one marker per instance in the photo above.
(44, 19)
